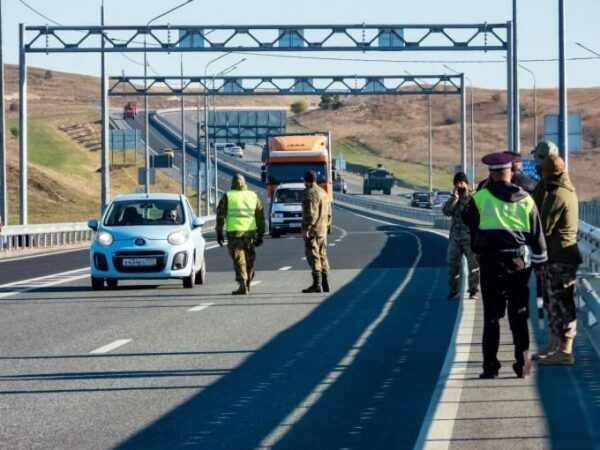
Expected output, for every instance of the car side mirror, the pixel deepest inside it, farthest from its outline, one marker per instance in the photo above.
(197, 222)
(93, 224)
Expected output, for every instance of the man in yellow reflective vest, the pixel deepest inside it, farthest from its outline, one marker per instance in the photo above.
(241, 214)
(507, 238)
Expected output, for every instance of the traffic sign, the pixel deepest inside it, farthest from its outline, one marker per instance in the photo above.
(529, 168)
(142, 176)
(574, 127)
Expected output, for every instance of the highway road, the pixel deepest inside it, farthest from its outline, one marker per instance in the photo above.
(276, 368)
(152, 365)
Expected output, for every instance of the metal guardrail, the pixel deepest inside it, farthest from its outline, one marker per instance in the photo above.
(588, 238)
(23, 237)
(588, 299)
(428, 217)
(589, 212)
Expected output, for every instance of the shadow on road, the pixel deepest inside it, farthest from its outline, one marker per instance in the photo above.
(364, 379)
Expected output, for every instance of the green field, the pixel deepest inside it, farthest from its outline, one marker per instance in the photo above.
(64, 179)
(409, 174)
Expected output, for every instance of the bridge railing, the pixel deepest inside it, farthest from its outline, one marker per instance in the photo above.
(23, 237)
(588, 298)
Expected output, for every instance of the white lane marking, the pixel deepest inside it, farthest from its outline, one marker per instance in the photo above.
(18, 287)
(344, 232)
(313, 397)
(338, 240)
(285, 268)
(255, 282)
(108, 347)
(304, 258)
(40, 255)
(200, 307)
(331, 245)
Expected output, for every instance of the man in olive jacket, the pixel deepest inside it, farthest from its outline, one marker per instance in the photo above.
(316, 220)
(559, 214)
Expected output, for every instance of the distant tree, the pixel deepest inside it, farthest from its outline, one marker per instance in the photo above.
(14, 131)
(13, 107)
(299, 107)
(336, 102)
(496, 98)
(48, 75)
(450, 120)
(325, 102)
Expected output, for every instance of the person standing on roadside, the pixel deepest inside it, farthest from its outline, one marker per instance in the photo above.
(505, 225)
(559, 214)
(316, 220)
(460, 238)
(240, 213)
(541, 151)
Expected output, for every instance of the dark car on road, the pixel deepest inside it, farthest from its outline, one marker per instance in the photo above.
(422, 200)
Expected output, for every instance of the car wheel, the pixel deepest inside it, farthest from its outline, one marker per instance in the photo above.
(97, 284)
(189, 282)
(112, 283)
(275, 234)
(201, 274)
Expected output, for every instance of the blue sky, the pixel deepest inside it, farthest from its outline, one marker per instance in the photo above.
(537, 35)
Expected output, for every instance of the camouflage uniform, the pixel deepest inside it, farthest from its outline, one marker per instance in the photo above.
(241, 244)
(560, 287)
(316, 218)
(460, 244)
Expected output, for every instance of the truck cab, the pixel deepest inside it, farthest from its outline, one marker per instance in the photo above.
(285, 211)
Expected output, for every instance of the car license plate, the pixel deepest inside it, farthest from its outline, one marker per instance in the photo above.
(139, 262)
(295, 225)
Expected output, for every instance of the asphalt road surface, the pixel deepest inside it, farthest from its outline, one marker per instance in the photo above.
(355, 368)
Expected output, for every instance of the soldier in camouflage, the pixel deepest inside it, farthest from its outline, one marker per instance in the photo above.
(559, 215)
(460, 238)
(240, 213)
(316, 220)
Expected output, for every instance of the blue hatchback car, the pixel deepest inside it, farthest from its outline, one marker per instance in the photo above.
(147, 236)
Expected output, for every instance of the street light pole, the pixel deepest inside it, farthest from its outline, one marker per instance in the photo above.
(515, 85)
(563, 132)
(472, 121)
(535, 114)
(206, 136)
(146, 115)
(105, 164)
(183, 143)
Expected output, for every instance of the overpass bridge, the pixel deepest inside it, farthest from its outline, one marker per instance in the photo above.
(382, 362)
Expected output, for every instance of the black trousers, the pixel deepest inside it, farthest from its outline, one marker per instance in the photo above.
(504, 285)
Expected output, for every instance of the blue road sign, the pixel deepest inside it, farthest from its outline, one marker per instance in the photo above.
(574, 127)
(529, 168)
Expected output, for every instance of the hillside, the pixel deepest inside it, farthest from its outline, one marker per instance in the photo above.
(63, 111)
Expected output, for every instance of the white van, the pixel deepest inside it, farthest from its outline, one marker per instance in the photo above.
(285, 213)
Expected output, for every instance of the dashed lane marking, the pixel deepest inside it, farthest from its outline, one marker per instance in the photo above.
(255, 282)
(108, 347)
(200, 307)
(285, 268)
(332, 245)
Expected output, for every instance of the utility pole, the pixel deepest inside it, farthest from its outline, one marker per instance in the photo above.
(3, 180)
(198, 157)
(105, 164)
(516, 101)
(509, 88)
(563, 132)
(22, 126)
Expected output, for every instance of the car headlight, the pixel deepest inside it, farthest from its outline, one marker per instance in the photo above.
(104, 238)
(178, 237)
(277, 215)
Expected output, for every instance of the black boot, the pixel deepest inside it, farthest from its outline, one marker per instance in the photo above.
(325, 282)
(315, 287)
(248, 286)
(242, 290)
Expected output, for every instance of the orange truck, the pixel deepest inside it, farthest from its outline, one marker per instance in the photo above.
(130, 110)
(287, 157)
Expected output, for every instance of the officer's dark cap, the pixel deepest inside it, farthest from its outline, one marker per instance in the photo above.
(310, 176)
(498, 160)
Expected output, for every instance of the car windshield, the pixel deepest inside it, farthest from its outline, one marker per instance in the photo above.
(421, 195)
(294, 172)
(288, 196)
(144, 212)
(444, 194)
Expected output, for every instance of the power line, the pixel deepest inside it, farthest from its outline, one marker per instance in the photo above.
(39, 13)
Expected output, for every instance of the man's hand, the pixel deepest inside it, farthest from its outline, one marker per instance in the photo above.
(455, 193)
(220, 238)
(258, 241)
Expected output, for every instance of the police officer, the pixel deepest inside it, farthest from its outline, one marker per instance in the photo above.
(241, 213)
(505, 223)
(316, 220)
(460, 239)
